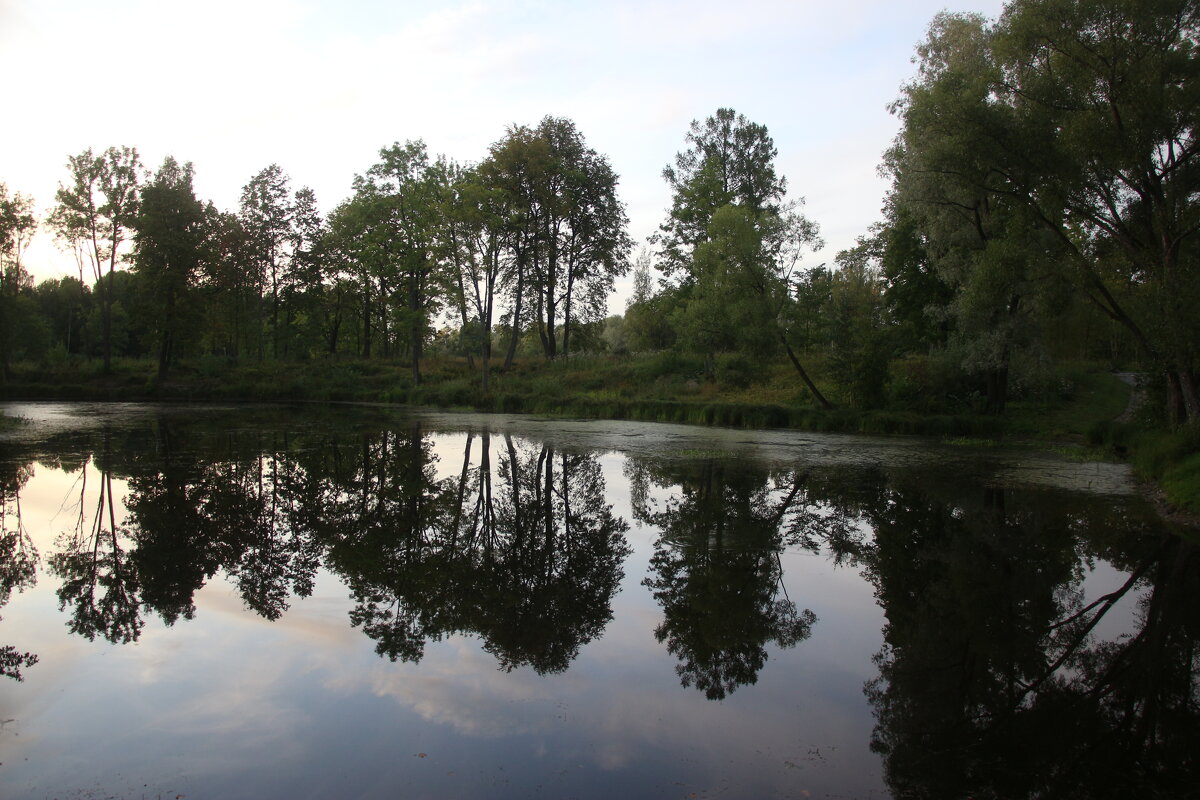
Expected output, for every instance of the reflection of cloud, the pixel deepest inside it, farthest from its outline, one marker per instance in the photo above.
(458, 685)
(317, 621)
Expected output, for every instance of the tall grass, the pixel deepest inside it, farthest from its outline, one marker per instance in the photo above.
(1170, 458)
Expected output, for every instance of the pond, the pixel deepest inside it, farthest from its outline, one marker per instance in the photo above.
(259, 602)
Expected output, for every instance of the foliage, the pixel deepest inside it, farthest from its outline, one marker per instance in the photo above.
(93, 216)
(170, 244)
(1056, 147)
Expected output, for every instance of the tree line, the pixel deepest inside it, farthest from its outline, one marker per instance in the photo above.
(1042, 205)
(535, 227)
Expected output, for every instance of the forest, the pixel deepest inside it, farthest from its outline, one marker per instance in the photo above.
(1042, 215)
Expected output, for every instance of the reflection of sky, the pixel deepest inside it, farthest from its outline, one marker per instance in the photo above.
(232, 705)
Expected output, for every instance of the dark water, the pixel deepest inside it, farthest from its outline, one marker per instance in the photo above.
(271, 602)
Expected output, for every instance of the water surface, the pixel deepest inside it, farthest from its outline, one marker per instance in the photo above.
(362, 602)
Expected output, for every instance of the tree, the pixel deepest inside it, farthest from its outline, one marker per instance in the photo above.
(514, 166)
(1079, 116)
(734, 243)
(94, 215)
(564, 227)
(472, 237)
(65, 304)
(647, 314)
(396, 214)
(266, 215)
(229, 286)
(594, 246)
(1112, 89)
(860, 339)
(914, 294)
(169, 244)
(305, 292)
(729, 161)
(17, 226)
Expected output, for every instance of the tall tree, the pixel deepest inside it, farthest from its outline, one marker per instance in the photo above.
(515, 166)
(17, 226)
(304, 293)
(592, 244)
(399, 197)
(94, 215)
(472, 240)
(565, 228)
(229, 286)
(169, 245)
(733, 242)
(981, 240)
(728, 161)
(266, 214)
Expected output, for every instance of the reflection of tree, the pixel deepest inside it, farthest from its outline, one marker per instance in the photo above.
(99, 580)
(194, 514)
(193, 509)
(18, 558)
(992, 683)
(382, 509)
(525, 554)
(716, 568)
(552, 577)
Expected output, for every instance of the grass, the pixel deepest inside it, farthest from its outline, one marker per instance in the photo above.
(1087, 396)
(1170, 458)
(664, 387)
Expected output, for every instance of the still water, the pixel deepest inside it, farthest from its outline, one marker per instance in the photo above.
(362, 602)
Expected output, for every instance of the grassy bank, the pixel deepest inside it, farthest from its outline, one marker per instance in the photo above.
(660, 387)
(664, 387)
(1170, 459)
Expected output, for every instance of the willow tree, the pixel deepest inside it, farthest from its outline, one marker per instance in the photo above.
(1078, 119)
(948, 171)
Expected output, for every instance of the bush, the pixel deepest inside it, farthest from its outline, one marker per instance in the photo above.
(735, 372)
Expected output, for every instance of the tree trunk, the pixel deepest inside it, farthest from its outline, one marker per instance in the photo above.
(1191, 399)
(550, 340)
(516, 320)
(997, 390)
(1175, 410)
(366, 348)
(566, 348)
(486, 355)
(416, 332)
(462, 315)
(165, 343)
(106, 306)
(812, 387)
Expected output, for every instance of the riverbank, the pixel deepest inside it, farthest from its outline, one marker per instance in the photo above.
(1082, 419)
(659, 387)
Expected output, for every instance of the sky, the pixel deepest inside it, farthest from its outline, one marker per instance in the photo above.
(319, 86)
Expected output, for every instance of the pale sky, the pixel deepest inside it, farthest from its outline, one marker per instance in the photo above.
(319, 86)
